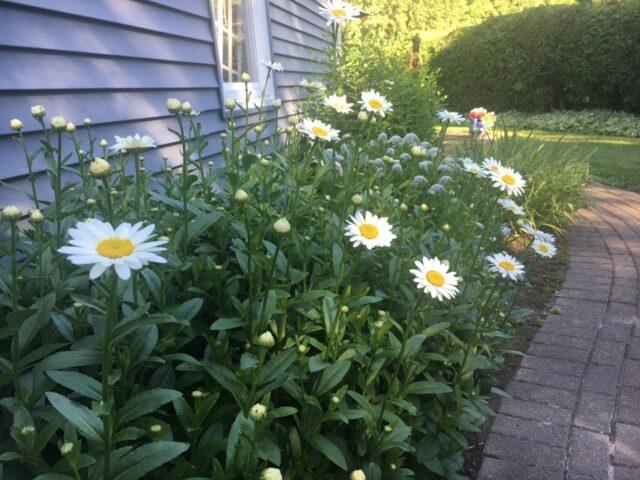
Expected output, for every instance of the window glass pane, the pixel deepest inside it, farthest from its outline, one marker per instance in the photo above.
(231, 30)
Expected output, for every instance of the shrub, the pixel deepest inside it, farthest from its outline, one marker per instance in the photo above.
(591, 122)
(566, 56)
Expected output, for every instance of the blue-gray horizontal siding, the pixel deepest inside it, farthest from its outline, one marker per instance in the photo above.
(117, 61)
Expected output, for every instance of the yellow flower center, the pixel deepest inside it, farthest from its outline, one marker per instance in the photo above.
(435, 278)
(508, 179)
(319, 131)
(339, 12)
(115, 247)
(368, 231)
(508, 266)
(375, 103)
(543, 248)
(494, 168)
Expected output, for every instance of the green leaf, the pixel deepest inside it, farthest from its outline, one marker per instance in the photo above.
(427, 387)
(277, 365)
(32, 325)
(435, 329)
(328, 449)
(79, 383)
(71, 359)
(84, 419)
(142, 460)
(187, 310)
(332, 376)
(227, 323)
(146, 402)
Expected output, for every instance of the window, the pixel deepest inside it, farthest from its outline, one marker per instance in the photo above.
(242, 39)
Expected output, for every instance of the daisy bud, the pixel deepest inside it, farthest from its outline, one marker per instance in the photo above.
(70, 127)
(197, 394)
(223, 135)
(303, 348)
(230, 104)
(87, 121)
(424, 207)
(186, 107)
(289, 129)
(357, 199)
(38, 111)
(282, 226)
(245, 77)
(35, 215)
(104, 143)
(99, 168)
(378, 323)
(16, 125)
(258, 412)
(404, 207)
(374, 120)
(393, 466)
(358, 475)
(387, 428)
(218, 267)
(264, 162)
(210, 163)
(363, 117)
(163, 238)
(446, 227)
(344, 309)
(81, 152)
(270, 473)
(58, 123)
(335, 400)
(90, 201)
(173, 105)
(11, 213)
(258, 129)
(266, 340)
(277, 103)
(381, 313)
(241, 196)
(417, 151)
(66, 448)
(156, 428)
(28, 430)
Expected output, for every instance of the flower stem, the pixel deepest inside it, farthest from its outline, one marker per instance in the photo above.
(107, 361)
(138, 173)
(14, 267)
(185, 188)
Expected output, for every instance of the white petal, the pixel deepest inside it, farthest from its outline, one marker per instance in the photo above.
(97, 270)
(123, 271)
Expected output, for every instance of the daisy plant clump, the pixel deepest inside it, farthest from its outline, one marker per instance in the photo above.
(323, 304)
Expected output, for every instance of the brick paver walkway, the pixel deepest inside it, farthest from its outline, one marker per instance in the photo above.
(575, 411)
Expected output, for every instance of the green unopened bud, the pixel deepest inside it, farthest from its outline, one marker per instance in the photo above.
(417, 151)
(104, 143)
(90, 201)
(70, 127)
(66, 448)
(241, 196)
(335, 400)
(38, 111)
(230, 104)
(277, 103)
(173, 105)
(58, 123)
(99, 168)
(404, 207)
(11, 213)
(258, 412)
(344, 309)
(266, 340)
(282, 226)
(156, 428)
(357, 199)
(16, 124)
(424, 207)
(245, 77)
(186, 107)
(358, 475)
(258, 129)
(271, 474)
(363, 117)
(35, 215)
(87, 121)
(446, 227)
(28, 430)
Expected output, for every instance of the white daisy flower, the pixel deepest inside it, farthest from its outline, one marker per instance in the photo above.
(450, 117)
(512, 206)
(133, 143)
(474, 169)
(339, 12)
(491, 165)
(317, 129)
(277, 66)
(534, 232)
(313, 86)
(505, 230)
(544, 249)
(125, 248)
(372, 101)
(506, 265)
(434, 277)
(338, 103)
(508, 180)
(369, 230)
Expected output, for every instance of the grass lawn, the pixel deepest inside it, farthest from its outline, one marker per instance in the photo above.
(612, 160)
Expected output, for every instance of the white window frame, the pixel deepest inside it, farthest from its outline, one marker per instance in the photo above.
(256, 26)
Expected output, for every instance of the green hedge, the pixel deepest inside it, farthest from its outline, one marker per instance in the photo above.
(554, 57)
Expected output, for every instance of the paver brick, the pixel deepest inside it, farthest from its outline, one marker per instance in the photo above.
(616, 331)
(608, 352)
(602, 379)
(548, 379)
(595, 411)
(535, 411)
(552, 365)
(540, 394)
(563, 340)
(631, 375)
(588, 453)
(624, 473)
(627, 445)
(540, 432)
(496, 469)
(526, 453)
(558, 352)
(629, 405)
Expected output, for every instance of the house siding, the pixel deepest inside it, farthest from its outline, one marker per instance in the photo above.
(117, 61)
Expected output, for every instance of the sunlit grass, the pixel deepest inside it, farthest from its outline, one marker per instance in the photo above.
(612, 160)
